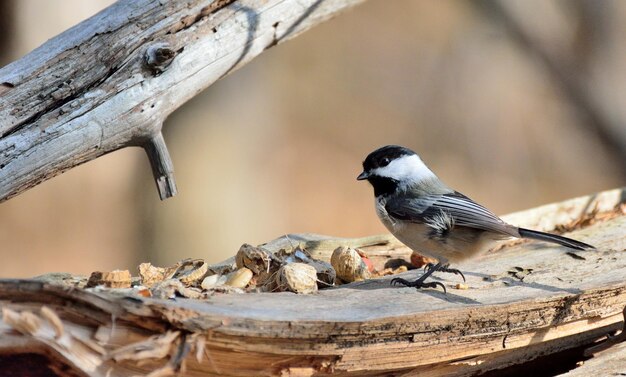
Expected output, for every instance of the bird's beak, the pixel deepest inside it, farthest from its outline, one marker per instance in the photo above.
(362, 176)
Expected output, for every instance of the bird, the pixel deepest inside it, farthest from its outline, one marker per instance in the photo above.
(433, 219)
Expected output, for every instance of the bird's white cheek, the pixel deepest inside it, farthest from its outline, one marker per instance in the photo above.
(407, 168)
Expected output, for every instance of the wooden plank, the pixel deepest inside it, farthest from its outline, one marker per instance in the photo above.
(526, 300)
(609, 363)
(370, 326)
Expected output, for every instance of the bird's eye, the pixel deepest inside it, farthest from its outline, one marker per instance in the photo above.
(385, 161)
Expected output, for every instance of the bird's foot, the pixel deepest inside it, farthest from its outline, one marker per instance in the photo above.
(445, 268)
(418, 284)
(452, 271)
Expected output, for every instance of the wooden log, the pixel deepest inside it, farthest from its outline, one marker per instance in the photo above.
(110, 81)
(526, 300)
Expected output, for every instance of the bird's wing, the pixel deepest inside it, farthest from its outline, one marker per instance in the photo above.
(463, 211)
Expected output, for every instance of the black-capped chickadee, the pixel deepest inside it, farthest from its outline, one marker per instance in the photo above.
(433, 219)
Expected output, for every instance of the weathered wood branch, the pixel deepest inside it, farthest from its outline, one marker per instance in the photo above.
(110, 81)
(162, 166)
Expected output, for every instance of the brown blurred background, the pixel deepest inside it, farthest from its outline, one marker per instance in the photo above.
(516, 104)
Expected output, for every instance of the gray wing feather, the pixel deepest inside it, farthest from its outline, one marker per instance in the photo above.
(462, 209)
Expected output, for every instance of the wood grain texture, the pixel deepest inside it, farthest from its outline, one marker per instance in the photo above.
(609, 363)
(96, 87)
(527, 300)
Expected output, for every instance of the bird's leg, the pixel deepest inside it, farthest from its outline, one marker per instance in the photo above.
(446, 268)
(419, 283)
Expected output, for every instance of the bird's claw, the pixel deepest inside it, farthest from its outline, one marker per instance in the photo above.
(452, 271)
(445, 268)
(418, 284)
(400, 281)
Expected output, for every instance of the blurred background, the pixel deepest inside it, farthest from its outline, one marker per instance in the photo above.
(516, 104)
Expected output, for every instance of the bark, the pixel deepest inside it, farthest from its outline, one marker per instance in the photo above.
(110, 81)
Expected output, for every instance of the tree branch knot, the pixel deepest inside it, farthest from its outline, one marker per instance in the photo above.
(158, 57)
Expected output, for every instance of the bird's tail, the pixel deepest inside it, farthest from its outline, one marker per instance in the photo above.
(541, 236)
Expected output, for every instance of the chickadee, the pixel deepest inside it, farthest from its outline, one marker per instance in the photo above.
(433, 219)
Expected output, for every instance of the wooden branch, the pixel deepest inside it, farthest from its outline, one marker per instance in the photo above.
(162, 166)
(110, 81)
(521, 302)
